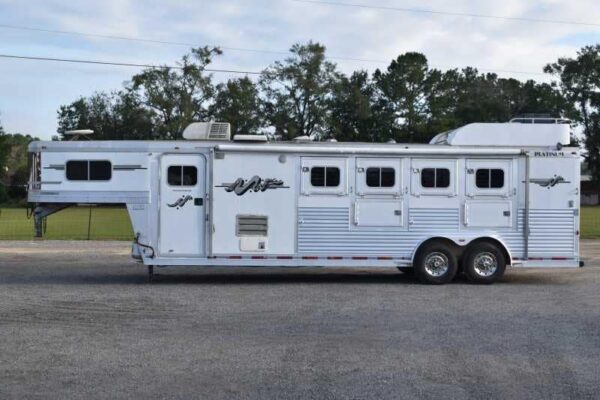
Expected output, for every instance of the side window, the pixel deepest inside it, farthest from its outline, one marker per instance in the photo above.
(380, 177)
(435, 177)
(489, 178)
(182, 175)
(89, 170)
(325, 176)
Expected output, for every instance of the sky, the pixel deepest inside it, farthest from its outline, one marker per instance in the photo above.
(32, 91)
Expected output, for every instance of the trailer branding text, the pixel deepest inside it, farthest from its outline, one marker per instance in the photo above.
(256, 184)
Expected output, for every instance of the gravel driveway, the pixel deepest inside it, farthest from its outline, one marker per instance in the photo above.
(78, 320)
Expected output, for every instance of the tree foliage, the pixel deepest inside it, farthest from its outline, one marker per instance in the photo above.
(177, 97)
(13, 165)
(579, 82)
(305, 94)
(297, 91)
(238, 102)
(112, 116)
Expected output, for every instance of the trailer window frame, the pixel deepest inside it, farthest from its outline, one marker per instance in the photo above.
(326, 178)
(379, 171)
(439, 173)
(182, 182)
(306, 186)
(490, 182)
(86, 175)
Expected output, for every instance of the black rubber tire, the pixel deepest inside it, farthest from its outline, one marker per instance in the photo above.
(435, 247)
(469, 262)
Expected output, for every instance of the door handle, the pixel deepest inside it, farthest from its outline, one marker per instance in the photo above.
(198, 201)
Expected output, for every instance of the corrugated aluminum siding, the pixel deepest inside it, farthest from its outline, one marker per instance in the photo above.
(552, 233)
(327, 230)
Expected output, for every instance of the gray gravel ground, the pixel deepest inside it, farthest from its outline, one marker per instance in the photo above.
(78, 320)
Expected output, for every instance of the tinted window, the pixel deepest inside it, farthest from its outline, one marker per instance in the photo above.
(317, 176)
(180, 175)
(100, 170)
(190, 176)
(325, 176)
(89, 170)
(380, 177)
(174, 175)
(442, 177)
(435, 177)
(332, 176)
(496, 178)
(489, 178)
(77, 170)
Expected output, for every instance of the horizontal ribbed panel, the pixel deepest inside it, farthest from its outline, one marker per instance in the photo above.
(327, 230)
(433, 219)
(551, 233)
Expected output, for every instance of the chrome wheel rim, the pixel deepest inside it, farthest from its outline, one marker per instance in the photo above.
(485, 264)
(436, 264)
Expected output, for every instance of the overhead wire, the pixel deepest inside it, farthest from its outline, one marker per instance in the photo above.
(449, 13)
(240, 49)
(121, 64)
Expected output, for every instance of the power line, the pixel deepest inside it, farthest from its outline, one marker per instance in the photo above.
(241, 49)
(120, 64)
(458, 14)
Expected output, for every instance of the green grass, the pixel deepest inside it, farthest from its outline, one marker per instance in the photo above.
(112, 223)
(107, 223)
(590, 222)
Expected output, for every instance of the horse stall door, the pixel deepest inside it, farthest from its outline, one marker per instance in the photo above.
(182, 205)
(490, 194)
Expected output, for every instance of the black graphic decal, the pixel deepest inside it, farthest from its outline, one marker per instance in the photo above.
(256, 184)
(181, 201)
(549, 182)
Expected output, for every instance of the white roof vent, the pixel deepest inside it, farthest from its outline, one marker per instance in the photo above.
(302, 139)
(250, 138)
(79, 134)
(208, 131)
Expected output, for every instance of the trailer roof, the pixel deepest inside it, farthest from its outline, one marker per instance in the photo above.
(335, 148)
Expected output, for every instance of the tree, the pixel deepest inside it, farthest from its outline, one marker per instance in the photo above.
(580, 84)
(238, 102)
(402, 92)
(352, 112)
(13, 165)
(177, 97)
(297, 91)
(112, 116)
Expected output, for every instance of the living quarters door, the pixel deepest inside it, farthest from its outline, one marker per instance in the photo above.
(182, 205)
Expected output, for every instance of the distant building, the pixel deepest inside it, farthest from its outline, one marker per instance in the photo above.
(590, 192)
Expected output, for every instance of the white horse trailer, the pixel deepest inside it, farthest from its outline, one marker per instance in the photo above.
(476, 199)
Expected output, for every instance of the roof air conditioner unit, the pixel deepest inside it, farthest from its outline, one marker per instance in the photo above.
(208, 131)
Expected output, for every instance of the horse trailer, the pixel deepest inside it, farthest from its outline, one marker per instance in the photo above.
(474, 200)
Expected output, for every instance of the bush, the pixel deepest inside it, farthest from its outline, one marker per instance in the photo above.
(3, 194)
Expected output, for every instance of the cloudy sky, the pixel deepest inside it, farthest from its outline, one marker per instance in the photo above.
(253, 32)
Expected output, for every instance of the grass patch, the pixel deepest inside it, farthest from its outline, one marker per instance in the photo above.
(590, 222)
(107, 223)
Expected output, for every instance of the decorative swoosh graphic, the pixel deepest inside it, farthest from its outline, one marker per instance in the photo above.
(181, 201)
(549, 182)
(255, 184)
